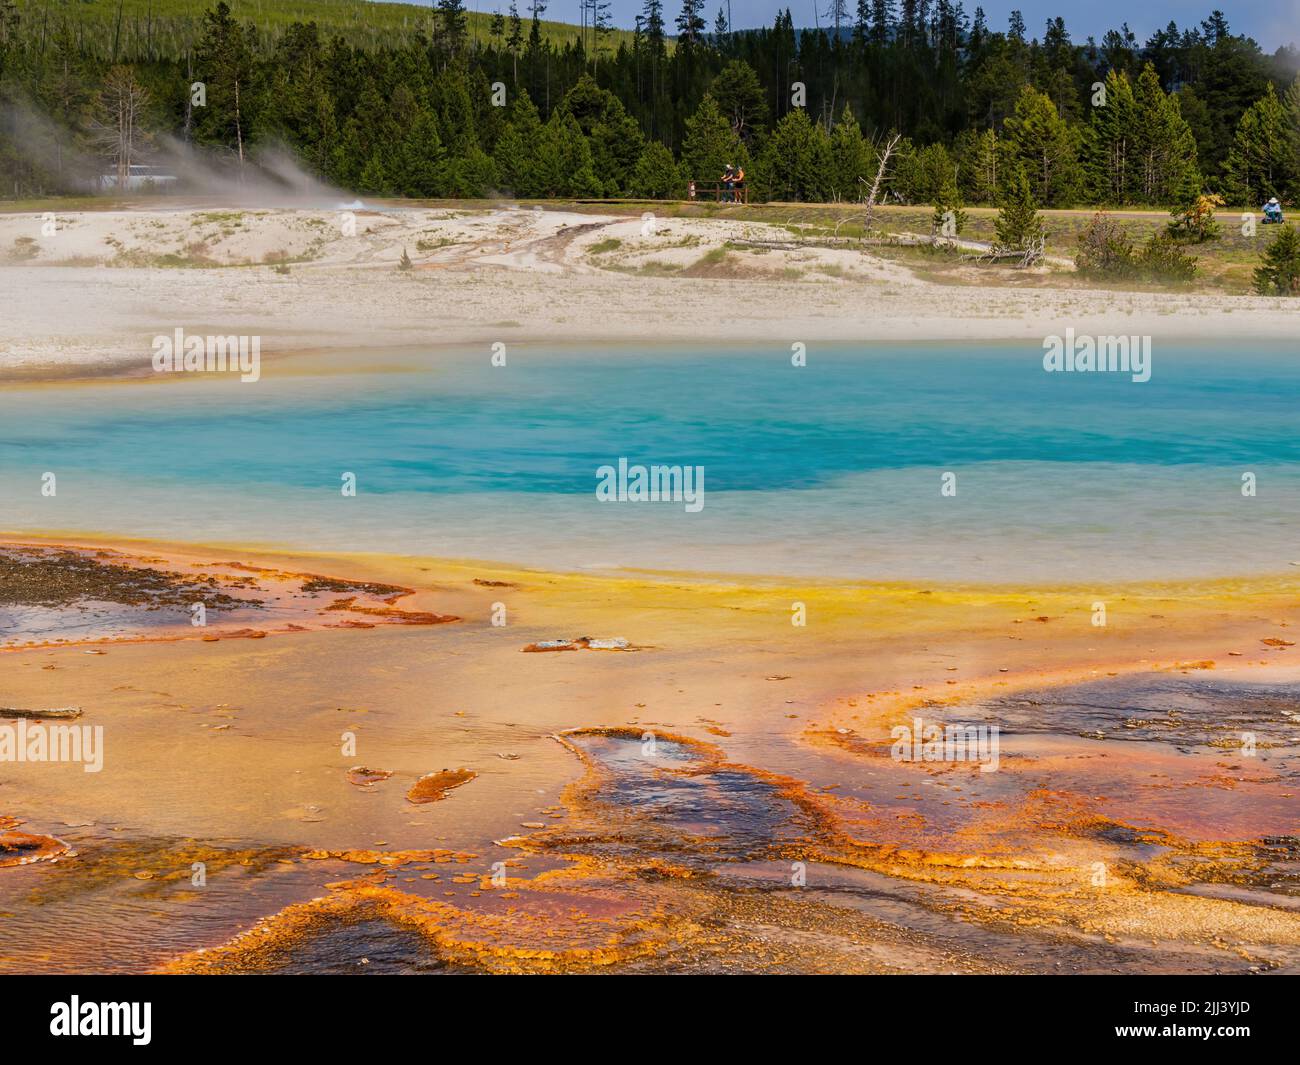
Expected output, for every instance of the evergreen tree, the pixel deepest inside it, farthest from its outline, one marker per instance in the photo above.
(224, 61)
(657, 176)
(853, 161)
(1292, 104)
(1261, 162)
(66, 94)
(655, 50)
(979, 166)
(563, 159)
(690, 22)
(922, 174)
(538, 57)
(796, 161)
(1016, 27)
(1045, 146)
(710, 144)
(653, 19)
(739, 96)
(1109, 144)
(1194, 221)
(882, 21)
(453, 26)
(948, 219)
(1279, 273)
(453, 104)
(516, 149)
(419, 165)
(1018, 224)
(614, 137)
(978, 32)
(515, 39)
(862, 24)
(1165, 150)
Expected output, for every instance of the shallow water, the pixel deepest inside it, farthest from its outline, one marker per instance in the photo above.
(1204, 759)
(832, 469)
(705, 837)
(829, 470)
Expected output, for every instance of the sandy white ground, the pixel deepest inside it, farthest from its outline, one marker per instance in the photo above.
(92, 293)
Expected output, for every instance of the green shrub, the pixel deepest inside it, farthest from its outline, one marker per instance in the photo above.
(1279, 272)
(1163, 260)
(1194, 222)
(1106, 252)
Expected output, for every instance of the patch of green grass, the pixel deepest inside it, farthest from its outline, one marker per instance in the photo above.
(60, 203)
(219, 218)
(607, 245)
(658, 268)
(138, 257)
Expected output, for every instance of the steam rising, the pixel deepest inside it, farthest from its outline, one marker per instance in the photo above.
(270, 176)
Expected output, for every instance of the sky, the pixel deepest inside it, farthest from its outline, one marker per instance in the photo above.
(1271, 22)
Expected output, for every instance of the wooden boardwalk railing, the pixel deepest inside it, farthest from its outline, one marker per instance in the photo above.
(717, 192)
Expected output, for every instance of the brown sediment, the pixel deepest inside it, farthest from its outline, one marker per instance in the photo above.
(364, 777)
(38, 575)
(316, 583)
(112, 596)
(22, 848)
(434, 786)
(390, 859)
(391, 613)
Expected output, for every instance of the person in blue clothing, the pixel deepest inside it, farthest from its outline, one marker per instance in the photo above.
(728, 184)
(1272, 212)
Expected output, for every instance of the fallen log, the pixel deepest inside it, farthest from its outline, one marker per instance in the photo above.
(57, 711)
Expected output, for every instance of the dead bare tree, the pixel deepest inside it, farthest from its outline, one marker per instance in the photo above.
(881, 171)
(119, 129)
(1031, 253)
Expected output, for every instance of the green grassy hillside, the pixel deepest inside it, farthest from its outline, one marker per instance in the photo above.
(167, 27)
